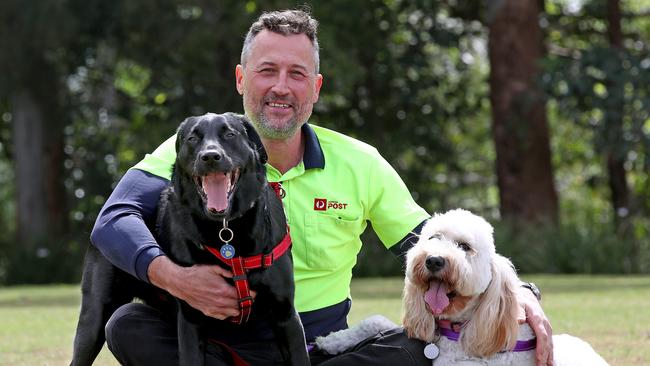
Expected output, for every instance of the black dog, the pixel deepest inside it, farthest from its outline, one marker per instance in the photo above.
(219, 204)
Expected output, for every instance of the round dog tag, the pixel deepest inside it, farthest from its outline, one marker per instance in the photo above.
(227, 251)
(431, 351)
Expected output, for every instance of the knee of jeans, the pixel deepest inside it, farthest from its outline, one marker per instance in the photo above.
(117, 327)
(112, 327)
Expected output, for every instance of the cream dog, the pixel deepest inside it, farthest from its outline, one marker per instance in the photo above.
(461, 294)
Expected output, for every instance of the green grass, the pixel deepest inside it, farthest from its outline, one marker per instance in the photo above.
(610, 312)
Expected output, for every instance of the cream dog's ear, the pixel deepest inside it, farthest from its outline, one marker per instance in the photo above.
(493, 326)
(417, 321)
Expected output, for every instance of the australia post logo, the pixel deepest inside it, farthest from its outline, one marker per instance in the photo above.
(321, 204)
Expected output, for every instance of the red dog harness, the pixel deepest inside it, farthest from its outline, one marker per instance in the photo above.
(241, 265)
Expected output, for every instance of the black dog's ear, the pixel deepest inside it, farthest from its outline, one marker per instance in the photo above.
(183, 129)
(253, 137)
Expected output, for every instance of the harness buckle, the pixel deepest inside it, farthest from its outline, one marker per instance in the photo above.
(246, 299)
(241, 277)
(267, 260)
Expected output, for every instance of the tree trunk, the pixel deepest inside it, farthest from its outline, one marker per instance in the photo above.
(29, 173)
(38, 160)
(615, 153)
(519, 126)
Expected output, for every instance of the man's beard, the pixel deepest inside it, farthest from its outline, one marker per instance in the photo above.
(269, 130)
(266, 129)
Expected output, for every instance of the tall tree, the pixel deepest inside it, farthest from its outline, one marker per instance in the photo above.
(38, 157)
(598, 76)
(519, 125)
(616, 155)
(31, 39)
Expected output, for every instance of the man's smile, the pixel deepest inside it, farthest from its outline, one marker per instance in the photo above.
(278, 105)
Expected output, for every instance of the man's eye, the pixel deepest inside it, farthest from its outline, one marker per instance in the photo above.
(464, 246)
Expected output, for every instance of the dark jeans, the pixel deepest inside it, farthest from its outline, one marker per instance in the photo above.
(138, 334)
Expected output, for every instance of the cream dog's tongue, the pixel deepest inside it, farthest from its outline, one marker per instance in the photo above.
(436, 297)
(216, 187)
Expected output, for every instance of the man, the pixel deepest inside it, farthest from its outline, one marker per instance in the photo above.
(333, 184)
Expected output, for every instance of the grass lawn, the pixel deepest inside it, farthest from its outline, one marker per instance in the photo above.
(610, 312)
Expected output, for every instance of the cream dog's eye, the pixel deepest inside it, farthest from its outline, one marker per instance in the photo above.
(464, 247)
(436, 236)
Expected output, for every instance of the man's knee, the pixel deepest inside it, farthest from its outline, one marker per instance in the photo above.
(118, 327)
(137, 331)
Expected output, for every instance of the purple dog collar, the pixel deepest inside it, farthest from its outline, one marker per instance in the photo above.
(528, 345)
(520, 346)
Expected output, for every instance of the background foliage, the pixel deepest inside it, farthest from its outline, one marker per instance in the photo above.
(410, 77)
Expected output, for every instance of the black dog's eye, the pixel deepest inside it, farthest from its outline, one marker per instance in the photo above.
(192, 139)
(464, 246)
(230, 134)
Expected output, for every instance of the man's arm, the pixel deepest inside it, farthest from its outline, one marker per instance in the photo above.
(403, 246)
(121, 231)
(122, 235)
(532, 313)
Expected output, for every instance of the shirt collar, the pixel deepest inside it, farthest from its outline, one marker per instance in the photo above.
(313, 156)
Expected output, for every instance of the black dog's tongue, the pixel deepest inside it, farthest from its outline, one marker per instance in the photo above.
(216, 187)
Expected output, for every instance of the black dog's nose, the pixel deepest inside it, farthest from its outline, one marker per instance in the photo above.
(210, 155)
(434, 264)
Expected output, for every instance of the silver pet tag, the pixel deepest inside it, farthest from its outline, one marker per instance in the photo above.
(431, 351)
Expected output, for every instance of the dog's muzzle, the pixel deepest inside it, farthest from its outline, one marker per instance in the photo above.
(435, 264)
(216, 189)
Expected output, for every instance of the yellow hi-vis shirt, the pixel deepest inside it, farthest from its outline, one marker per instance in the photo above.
(340, 185)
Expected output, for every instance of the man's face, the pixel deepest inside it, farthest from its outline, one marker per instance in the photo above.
(279, 83)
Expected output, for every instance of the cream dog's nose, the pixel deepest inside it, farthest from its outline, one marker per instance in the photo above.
(434, 264)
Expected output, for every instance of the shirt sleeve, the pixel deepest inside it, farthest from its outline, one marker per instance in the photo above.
(121, 231)
(160, 161)
(393, 212)
(402, 247)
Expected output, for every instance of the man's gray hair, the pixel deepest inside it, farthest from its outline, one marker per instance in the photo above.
(285, 22)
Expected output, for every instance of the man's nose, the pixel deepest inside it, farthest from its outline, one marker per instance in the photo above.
(281, 85)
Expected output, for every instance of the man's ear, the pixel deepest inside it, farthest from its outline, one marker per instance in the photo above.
(239, 79)
(183, 130)
(318, 84)
(253, 137)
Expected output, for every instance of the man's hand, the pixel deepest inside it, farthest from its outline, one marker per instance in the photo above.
(203, 287)
(531, 312)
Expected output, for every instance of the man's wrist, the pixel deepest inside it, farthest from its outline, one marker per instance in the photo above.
(160, 271)
(533, 288)
(144, 259)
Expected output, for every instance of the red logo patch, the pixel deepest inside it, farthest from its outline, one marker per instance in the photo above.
(320, 204)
